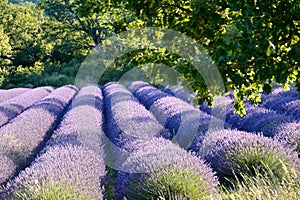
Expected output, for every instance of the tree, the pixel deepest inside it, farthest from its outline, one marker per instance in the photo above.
(253, 43)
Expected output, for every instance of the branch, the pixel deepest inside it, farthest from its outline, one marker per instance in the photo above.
(176, 6)
(78, 19)
(7, 57)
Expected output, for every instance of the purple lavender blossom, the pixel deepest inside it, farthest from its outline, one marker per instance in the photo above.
(162, 163)
(11, 93)
(292, 110)
(280, 92)
(126, 118)
(23, 136)
(277, 104)
(73, 166)
(83, 123)
(146, 93)
(135, 85)
(73, 156)
(179, 92)
(183, 120)
(14, 106)
(239, 152)
(289, 134)
(257, 119)
(167, 90)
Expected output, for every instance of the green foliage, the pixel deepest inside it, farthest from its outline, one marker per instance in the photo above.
(252, 42)
(22, 1)
(173, 183)
(48, 191)
(264, 187)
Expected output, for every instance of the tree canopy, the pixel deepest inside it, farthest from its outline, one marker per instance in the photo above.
(253, 43)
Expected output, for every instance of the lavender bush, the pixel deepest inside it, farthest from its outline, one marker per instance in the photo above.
(135, 85)
(183, 120)
(146, 93)
(292, 110)
(23, 136)
(277, 104)
(169, 173)
(289, 134)
(179, 92)
(126, 118)
(279, 92)
(82, 124)
(73, 156)
(14, 106)
(8, 94)
(232, 153)
(72, 168)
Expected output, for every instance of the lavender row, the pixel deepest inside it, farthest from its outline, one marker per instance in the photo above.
(283, 102)
(14, 106)
(8, 94)
(256, 120)
(288, 106)
(126, 118)
(278, 93)
(23, 136)
(73, 156)
(270, 124)
(233, 153)
(183, 120)
(179, 92)
(159, 169)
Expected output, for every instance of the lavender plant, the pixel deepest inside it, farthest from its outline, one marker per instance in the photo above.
(277, 104)
(232, 153)
(70, 171)
(126, 118)
(73, 158)
(289, 134)
(183, 120)
(23, 136)
(166, 172)
(179, 92)
(11, 93)
(14, 106)
(292, 110)
(82, 124)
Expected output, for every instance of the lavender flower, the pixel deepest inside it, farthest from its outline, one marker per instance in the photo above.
(179, 92)
(233, 153)
(292, 110)
(14, 106)
(22, 137)
(83, 123)
(126, 118)
(278, 104)
(73, 156)
(8, 94)
(146, 93)
(66, 166)
(183, 120)
(289, 134)
(169, 172)
(135, 85)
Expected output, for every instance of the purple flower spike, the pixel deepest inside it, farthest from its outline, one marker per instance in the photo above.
(166, 171)
(73, 156)
(22, 137)
(127, 119)
(14, 106)
(8, 94)
(235, 152)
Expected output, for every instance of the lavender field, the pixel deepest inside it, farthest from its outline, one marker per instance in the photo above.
(140, 142)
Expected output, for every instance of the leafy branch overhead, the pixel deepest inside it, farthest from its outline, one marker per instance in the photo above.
(253, 43)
